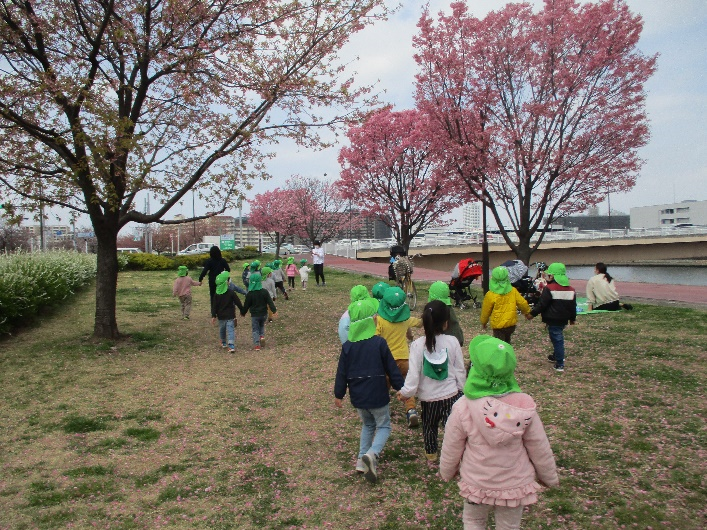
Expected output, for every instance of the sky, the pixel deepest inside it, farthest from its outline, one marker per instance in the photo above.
(676, 104)
(676, 155)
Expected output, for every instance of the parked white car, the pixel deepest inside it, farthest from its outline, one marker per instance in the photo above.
(196, 248)
(270, 249)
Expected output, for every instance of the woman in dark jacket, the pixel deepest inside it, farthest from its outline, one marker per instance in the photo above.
(214, 266)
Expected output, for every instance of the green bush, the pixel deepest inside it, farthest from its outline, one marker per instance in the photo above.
(149, 262)
(192, 261)
(29, 282)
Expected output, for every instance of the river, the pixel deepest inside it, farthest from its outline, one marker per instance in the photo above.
(647, 274)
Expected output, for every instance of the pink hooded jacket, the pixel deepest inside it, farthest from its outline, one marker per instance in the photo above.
(498, 445)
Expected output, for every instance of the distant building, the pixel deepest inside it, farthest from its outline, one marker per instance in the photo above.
(471, 217)
(685, 213)
(52, 233)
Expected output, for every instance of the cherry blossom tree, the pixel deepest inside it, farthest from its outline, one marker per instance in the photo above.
(321, 212)
(102, 102)
(274, 214)
(388, 171)
(539, 115)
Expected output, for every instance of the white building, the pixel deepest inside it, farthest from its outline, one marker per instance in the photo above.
(685, 213)
(471, 215)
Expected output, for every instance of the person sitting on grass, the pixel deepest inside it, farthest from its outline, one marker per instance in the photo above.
(601, 291)
(223, 308)
(364, 364)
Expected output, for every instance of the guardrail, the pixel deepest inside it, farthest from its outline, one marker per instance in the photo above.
(350, 249)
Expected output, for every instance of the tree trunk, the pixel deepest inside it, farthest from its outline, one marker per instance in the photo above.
(105, 324)
(523, 250)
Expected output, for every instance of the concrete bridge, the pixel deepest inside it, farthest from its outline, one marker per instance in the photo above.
(571, 252)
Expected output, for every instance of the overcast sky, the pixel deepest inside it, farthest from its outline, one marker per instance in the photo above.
(676, 156)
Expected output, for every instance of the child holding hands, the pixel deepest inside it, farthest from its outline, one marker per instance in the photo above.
(495, 441)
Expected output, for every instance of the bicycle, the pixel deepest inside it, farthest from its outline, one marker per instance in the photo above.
(403, 268)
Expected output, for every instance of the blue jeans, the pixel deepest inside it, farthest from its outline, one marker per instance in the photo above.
(226, 330)
(558, 343)
(258, 325)
(375, 429)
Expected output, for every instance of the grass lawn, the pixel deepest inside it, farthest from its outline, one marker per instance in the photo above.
(166, 429)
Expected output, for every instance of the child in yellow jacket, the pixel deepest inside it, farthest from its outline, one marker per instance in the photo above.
(501, 304)
(393, 324)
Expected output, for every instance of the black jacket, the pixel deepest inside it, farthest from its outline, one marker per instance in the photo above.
(223, 306)
(214, 267)
(557, 304)
(258, 302)
(362, 368)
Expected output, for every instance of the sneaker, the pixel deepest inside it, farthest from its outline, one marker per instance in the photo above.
(360, 467)
(186, 318)
(551, 358)
(262, 340)
(224, 345)
(269, 320)
(559, 368)
(413, 418)
(628, 307)
(256, 347)
(370, 462)
(231, 349)
(287, 296)
(431, 457)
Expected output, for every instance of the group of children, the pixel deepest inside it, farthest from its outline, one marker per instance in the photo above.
(494, 439)
(261, 287)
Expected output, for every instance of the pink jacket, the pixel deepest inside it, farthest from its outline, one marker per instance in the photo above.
(498, 446)
(182, 286)
(291, 270)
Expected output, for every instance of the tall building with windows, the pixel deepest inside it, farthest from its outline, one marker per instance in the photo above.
(471, 216)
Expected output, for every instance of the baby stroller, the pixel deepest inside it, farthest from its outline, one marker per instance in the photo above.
(528, 287)
(463, 275)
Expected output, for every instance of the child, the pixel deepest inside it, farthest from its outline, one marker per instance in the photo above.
(291, 271)
(269, 286)
(394, 325)
(378, 289)
(501, 305)
(223, 308)
(245, 275)
(495, 441)
(279, 277)
(358, 292)
(257, 301)
(364, 363)
(558, 305)
(436, 373)
(304, 273)
(182, 288)
(440, 291)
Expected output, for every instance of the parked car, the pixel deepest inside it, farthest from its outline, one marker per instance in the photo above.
(196, 248)
(271, 249)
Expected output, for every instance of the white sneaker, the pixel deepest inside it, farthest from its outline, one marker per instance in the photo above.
(360, 467)
(370, 461)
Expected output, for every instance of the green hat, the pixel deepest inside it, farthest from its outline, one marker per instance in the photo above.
(276, 264)
(379, 289)
(559, 273)
(363, 325)
(393, 306)
(359, 292)
(499, 283)
(182, 270)
(265, 271)
(492, 365)
(222, 282)
(256, 282)
(439, 291)
(290, 260)
(246, 265)
(302, 262)
(255, 265)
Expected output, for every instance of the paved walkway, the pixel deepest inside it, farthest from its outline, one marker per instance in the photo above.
(679, 295)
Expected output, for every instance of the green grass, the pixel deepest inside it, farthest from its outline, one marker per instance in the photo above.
(162, 428)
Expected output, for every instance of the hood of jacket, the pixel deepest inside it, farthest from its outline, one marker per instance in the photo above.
(503, 420)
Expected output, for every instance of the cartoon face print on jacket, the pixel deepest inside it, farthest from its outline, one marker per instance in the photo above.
(501, 423)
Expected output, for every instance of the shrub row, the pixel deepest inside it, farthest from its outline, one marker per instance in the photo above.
(154, 262)
(29, 282)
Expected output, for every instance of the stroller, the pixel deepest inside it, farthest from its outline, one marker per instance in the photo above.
(463, 275)
(528, 287)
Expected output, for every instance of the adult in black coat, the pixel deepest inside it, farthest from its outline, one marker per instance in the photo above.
(214, 266)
